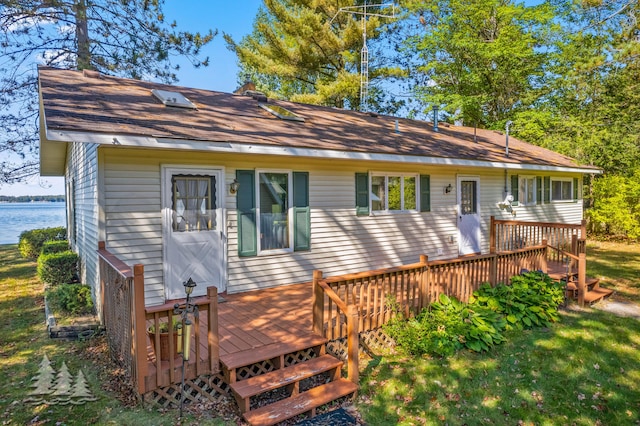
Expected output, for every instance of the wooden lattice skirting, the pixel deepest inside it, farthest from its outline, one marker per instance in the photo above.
(205, 387)
(372, 342)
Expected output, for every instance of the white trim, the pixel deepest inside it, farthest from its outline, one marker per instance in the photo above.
(248, 148)
(290, 229)
(562, 179)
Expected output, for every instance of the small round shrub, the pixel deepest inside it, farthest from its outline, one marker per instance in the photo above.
(55, 246)
(71, 298)
(30, 243)
(58, 268)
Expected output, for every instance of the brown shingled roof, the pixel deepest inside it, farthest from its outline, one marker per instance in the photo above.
(73, 101)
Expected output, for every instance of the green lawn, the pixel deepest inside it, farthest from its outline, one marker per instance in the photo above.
(24, 342)
(584, 370)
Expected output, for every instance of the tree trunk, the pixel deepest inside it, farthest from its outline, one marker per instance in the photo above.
(82, 35)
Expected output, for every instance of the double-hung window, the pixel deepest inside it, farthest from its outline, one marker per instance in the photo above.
(273, 212)
(527, 190)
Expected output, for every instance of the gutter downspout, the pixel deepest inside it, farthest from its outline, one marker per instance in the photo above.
(509, 123)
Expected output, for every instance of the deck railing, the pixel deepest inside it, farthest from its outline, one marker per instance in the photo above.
(508, 235)
(122, 292)
(127, 321)
(344, 306)
(205, 350)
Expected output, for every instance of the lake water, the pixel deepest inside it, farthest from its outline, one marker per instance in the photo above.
(18, 217)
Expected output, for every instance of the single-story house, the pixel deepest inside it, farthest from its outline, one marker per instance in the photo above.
(244, 192)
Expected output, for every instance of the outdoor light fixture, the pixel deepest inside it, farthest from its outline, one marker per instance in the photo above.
(184, 333)
(235, 185)
(189, 286)
(448, 189)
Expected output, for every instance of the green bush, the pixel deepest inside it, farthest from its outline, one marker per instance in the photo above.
(30, 244)
(55, 246)
(447, 326)
(531, 300)
(58, 268)
(71, 298)
(616, 210)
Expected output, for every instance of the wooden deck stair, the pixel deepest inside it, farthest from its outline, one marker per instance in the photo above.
(593, 292)
(285, 379)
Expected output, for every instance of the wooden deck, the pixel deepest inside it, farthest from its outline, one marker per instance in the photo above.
(253, 322)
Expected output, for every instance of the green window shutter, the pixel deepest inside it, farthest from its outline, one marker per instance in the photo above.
(425, 193)
(246, 209)
(547, 189)
(575, 189)
(362, 194)
(538, 190)
(301, 212)
(514, 189)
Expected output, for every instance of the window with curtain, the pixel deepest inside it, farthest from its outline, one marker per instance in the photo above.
(194, 203)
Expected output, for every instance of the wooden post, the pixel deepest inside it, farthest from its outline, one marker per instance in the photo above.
(213, 341)
(544, 265)
(318, 304)
(353, 344)
(582, 277)
(492, 235)
(583, 229)
(424, 283)
(139, 328)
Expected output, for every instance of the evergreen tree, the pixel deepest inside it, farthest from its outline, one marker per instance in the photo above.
(311, 51)
(124, 38)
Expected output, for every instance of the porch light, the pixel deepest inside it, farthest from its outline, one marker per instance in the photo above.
(189, 286)
(448, 189)
(234, 186)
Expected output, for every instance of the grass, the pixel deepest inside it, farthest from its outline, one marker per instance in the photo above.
(584, 370)
(24, 342)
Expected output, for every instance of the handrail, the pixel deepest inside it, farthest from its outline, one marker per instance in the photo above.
(117, 264)
(367, 274)
(564, 252)
(333, 295)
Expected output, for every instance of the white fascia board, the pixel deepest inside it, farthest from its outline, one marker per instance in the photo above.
(241, 148)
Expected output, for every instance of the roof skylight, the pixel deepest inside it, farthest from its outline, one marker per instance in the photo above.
(281, 113)
(173, 99)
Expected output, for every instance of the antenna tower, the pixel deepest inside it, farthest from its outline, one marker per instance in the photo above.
(364, 52)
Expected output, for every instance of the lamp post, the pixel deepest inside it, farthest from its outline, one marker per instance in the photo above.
(185, 340)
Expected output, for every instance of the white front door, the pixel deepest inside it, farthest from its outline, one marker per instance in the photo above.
(468, 215)
(193, 230)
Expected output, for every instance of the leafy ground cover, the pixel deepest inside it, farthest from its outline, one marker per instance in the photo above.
(24, 342)
(583, 370)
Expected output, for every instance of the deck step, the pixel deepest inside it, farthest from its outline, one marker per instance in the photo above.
(305, 402)
(597, 295)
(274, 350)
(285, 376)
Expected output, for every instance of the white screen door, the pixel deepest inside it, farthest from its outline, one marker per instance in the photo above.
(468, 215)
(193, 240)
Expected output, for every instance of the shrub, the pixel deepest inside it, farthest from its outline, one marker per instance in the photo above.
(532, 299)
(58, 268)
(71, 298)
(55, 246)
(30, 244)
(447, 326)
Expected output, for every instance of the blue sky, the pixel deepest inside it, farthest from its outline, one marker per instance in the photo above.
(234, 18)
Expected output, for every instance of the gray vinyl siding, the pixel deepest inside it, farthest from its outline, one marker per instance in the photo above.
(341, 242)
(82, 170)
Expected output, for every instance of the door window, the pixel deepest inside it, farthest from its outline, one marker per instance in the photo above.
(193, 203)
(468, 197)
